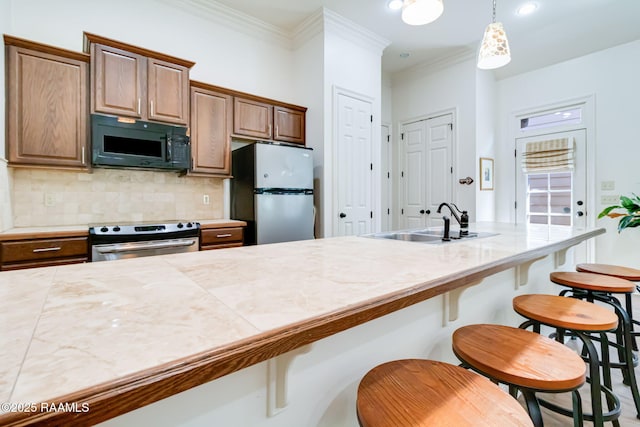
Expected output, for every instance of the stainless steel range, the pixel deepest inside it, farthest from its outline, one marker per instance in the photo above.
(111, 242)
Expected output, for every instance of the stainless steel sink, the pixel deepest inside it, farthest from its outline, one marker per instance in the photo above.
(428, 235)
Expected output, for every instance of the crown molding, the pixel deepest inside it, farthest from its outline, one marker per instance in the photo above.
(438, 64)
(321, 20)
(236, 20)
(307, 29)
(354, 32)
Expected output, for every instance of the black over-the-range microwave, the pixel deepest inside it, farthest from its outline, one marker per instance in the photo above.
(123, 142)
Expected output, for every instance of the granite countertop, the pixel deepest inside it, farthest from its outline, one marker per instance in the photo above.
(83, 230)
(122, 334)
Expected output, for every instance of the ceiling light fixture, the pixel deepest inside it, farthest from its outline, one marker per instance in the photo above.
(395, 4)
(420, 12)
(527, 8)
(494, 50)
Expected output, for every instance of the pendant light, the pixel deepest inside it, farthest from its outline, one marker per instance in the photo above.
(420, 12)
(494, 51)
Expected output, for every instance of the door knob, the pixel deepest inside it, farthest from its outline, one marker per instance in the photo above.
(580, 213)
(422, 211)
(580, 202)
(342, 215)
(468, 180)
(428, 211)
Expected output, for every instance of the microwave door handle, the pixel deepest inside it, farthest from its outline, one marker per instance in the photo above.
(169, 150)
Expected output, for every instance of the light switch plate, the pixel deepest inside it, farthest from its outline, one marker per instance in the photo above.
(607, 185)
(610, 200)
(205, 199)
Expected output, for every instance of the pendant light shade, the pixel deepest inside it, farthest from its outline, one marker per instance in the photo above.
(420, 12)
(494, 50)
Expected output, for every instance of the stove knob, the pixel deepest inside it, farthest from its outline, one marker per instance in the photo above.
(189, 225)
(104, 229)
(180, 225)
(116, 228)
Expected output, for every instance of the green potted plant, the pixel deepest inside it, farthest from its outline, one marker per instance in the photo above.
(628, 219)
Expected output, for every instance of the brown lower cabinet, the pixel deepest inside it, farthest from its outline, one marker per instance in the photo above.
(218, 238)
(44, 252)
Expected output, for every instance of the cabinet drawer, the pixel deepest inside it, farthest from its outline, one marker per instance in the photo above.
(221, 236)
(43, 249)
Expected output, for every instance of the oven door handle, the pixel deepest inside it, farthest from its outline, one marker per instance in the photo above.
(143, 246)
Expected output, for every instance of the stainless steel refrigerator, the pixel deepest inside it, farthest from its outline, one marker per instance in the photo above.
(272, 190)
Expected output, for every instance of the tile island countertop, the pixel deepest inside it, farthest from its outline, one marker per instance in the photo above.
(119, 335)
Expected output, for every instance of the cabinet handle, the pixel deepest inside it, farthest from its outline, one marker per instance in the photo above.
(138, 106)
(276, 130)
(269, 129)
(223, 235)
(82, 155)
(57, 248)
(150, 115)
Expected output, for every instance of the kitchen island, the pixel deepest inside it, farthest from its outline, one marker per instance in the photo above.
(95, 341)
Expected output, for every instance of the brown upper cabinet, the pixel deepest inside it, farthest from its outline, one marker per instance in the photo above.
(261, 119)
(134, 82)
(47, 105)
(211, 121)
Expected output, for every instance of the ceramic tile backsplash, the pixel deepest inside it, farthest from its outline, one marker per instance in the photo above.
(5, 197)
(51, 197)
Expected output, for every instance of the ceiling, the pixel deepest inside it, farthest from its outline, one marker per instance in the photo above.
(558, 30)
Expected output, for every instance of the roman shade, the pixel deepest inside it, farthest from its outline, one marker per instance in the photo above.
(548, 155)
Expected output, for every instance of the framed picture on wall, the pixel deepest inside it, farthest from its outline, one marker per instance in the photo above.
(486, 173)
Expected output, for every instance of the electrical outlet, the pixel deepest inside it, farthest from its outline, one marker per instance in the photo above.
(610, 200)
(49, 199)
(205, 199)
(607, 185)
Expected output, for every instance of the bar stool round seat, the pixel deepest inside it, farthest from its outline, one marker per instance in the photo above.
(582, 319)
(522, 359)
(593, 282)
(621, 272)
(427, 393)
(565, 313)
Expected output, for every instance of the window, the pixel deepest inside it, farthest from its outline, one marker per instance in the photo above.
(568, 116)
(549, 198)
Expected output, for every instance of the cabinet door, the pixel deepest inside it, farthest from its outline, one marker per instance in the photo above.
(210, 131)
(47, 109)
(252, 118)
(118, 80)
(289, 125)
(168, 86)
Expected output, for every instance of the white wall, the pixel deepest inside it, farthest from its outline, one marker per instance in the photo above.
(423, 93)
(5, 192)
(611, 76)
(485, 142)
(308, 66)
(354, 64)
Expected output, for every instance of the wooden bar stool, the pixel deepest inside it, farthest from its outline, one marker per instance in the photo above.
(426, 393)
(621, 272)
(597, 287)
(522, 359)
(581, 318)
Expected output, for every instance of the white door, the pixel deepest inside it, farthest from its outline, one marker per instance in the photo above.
(439, 167)
(354, 168)
(427, 173)
(414, 175)
(556, 198)
(387, 193)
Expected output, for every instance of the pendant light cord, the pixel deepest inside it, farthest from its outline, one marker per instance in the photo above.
(494, 11)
